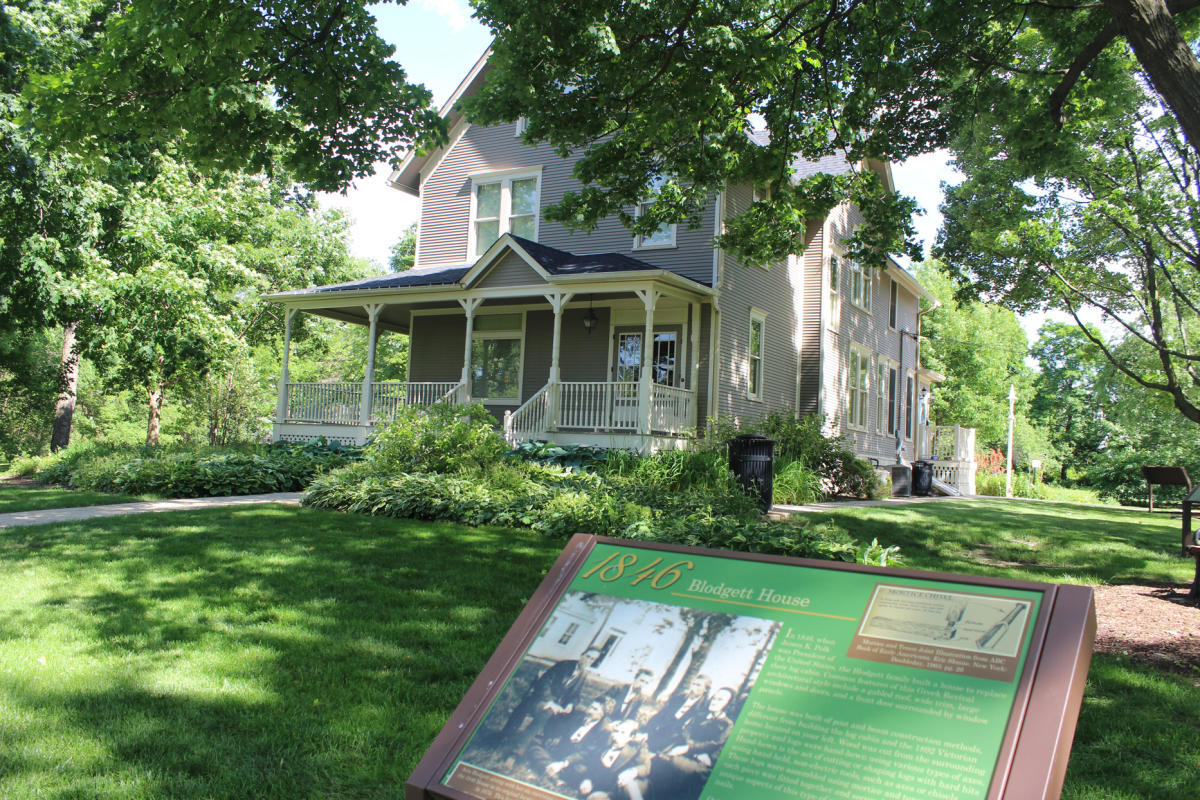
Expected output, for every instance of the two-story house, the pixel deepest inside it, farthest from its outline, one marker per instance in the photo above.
(612, 339)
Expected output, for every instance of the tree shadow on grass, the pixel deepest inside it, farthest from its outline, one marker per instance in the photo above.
(255, 652)
(1138, 735)
(1037, 541)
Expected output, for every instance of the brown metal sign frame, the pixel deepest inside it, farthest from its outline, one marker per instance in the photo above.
(1037, 740)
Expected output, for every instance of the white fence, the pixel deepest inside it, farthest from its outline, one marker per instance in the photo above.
(387, 398)
(333, 403)
(531, 420)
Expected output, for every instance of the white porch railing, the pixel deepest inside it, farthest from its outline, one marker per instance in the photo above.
(333, 403)
(387, 398)
(598, 405)
(951, 451)
(671, 408)
(531, 420)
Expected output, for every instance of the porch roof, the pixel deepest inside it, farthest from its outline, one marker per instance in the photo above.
(555, 262)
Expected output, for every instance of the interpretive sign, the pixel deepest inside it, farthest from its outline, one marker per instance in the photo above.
(652, 672)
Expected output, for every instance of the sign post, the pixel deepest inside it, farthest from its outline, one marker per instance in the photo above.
(643, 670)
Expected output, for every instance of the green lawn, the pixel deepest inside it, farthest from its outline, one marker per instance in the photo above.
(1039, 541)
(38, 498)
(281, 652)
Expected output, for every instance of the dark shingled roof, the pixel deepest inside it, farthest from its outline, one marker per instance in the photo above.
(554, 261)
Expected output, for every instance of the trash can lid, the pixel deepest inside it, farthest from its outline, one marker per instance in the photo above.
(753, 436)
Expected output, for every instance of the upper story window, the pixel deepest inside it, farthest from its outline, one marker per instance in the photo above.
(860, 285)
(521, 126)
(894, 305)
(665, 235)
(835, 296)
(500, 204)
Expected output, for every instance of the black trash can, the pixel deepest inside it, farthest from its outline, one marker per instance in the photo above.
(922, 478)
(752, 459)
(901, 480)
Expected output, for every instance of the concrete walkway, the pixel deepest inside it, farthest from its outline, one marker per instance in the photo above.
(836, 505)
(148, 507)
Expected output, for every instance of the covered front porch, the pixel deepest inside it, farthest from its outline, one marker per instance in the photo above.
(590, 350)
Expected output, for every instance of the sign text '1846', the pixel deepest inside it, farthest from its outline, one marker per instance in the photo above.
(616, 565)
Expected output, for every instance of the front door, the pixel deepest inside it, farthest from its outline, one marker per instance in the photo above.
(627, 370)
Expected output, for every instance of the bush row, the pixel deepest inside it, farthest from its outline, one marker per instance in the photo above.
(279, 467)
(448, 463)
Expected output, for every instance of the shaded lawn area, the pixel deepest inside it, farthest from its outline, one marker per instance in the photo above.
(281, 652)
(1037, 541)
(269, 652)
(37, 498)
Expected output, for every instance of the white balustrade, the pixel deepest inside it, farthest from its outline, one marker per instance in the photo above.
(387, 398)
(334, 403)
(598, 405)
(531, 420)
(671, 408)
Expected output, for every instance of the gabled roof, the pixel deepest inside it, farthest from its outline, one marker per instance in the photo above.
(550, 262)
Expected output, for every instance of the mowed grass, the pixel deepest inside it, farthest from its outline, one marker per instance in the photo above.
(39, 498)
(280, 652)
(267, 652)
(1038, 541)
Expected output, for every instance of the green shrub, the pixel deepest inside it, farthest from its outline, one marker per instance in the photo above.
(442, 438)
(795, 484)
(992, 485)
(198, 472)
(569, 456)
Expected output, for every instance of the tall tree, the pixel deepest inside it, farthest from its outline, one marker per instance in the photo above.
(1067, 394)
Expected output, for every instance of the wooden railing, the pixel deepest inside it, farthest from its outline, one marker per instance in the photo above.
(386, 398)
(332, 403)
(598, 405)
(950, 443)
(531, 420)
(671, 408)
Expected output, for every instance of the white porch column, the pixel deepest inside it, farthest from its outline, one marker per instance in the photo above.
(694, 357)
(469, 305)
(368, 394)
(558, 301)
(649, 300)
(281, 405)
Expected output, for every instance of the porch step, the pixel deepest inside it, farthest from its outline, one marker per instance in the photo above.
(945, 489)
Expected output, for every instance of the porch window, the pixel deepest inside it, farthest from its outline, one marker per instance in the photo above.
(665, 235)
(503, 205)
(496, 354)
(755, 371)
(860, 365)
(860, 286)
(664, 358)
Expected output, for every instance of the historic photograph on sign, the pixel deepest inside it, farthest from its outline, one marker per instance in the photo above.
(984, 624)
(616, 699)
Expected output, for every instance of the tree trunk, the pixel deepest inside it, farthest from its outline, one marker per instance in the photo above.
(1150, 29)
(64, 406)
(155, 397)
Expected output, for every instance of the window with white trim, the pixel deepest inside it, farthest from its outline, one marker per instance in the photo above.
(502, 205)
(835, 296)
(860, 367)
(521, 126)
(909, 391)
(881, 368)
(755, 355)
(860, 285)
(665, 235)
(497, 351)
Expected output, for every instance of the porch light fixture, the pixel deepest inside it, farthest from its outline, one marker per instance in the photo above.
(590, 320)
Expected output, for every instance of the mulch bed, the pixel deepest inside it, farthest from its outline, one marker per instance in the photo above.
(1152, 625)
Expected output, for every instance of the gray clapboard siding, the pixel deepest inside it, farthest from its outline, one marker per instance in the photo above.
(436, 348)
(770, 290)
(510, 270)
(446, 206)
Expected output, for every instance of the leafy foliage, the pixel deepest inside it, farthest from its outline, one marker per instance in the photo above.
(568, 456)
(443, 438)
(278, 467)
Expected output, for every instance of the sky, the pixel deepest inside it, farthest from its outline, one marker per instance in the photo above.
(437, 41)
